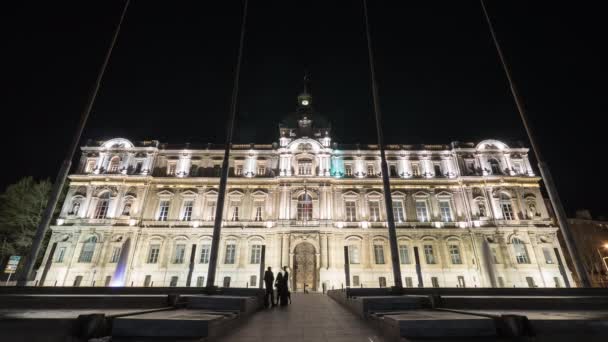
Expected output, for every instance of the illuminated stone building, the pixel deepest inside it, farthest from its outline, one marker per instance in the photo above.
(141, 214)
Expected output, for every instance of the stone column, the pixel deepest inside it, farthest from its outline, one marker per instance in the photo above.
(324, 258)
(366, 247)
(285, 250)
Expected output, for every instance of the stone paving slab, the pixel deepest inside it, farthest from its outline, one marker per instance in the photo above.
(570, 322)
(174, 323)
(310, 317)
(431, 323)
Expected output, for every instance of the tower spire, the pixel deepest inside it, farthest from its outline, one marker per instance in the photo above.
(305, 98)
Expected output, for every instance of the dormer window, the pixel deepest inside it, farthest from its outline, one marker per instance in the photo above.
(114, 164)
(494, 167)
(348, 170)
(238, 171)
(261, 170)
(90, 166)
(305, 167)
(416, 170)
(437, 168)
(370, 169)
(171, 168)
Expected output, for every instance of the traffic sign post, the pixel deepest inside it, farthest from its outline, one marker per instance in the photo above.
(11, 266)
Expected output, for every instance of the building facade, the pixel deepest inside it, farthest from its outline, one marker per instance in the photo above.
(591, 237)
(141, 214)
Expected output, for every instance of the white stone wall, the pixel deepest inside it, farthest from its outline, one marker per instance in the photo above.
(444, 176)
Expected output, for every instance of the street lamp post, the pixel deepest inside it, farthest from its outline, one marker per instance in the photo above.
(562, 219)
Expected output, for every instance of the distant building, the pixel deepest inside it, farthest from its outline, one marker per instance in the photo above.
(141, 214)
(591, 237)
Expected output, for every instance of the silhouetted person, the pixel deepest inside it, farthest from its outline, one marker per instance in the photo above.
(285, 287)
(269, 282)
(278, 283)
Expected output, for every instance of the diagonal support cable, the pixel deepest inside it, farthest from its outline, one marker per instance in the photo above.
(47, 216)
(384, 168)
(562, 219)
(217, 226)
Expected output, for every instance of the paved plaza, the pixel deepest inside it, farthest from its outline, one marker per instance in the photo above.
(311, 317)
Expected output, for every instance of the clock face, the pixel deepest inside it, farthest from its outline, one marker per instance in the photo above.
(304, 102)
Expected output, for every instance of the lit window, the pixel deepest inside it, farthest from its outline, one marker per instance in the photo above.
(256, 254)
(88, 248)
(205, 251)
(506, 207)
(548, 255)
(59, 255)
(404, 254)
(305, 167)
(398, 211)
(258, 214)
(445, 210)
(416, 170)
(101, 210)
(421, 211)
(178, 254)
(230, 254)
(379, 254)
(517, 168)
(304, 209)
(171, 169)
(348, 170)
(521, 254)
(115, 255)
(211, 210)
(163, 211)
(374, 211)
(153, 253)
(353, 254)
(235, 211)
(114, 165)
(429, 254)
(90, 166)
(187, 216)
(455, 254)
(351, 211)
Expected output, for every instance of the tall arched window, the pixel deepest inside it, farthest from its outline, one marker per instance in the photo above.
(114, 164)
(102, 206)
(304, 207)
(494, 166)
(506, 207)
(521, 254)
(88, 248)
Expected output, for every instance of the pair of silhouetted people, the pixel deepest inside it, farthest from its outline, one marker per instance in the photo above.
(281, 283)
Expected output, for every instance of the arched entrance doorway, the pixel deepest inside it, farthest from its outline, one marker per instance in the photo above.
(304, 267)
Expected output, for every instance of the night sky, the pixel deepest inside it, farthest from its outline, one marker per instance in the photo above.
(440, 80)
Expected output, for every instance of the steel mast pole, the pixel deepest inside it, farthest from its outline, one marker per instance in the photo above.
(562, 219)
(67, 162)
(384, 168)
(219, 210)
